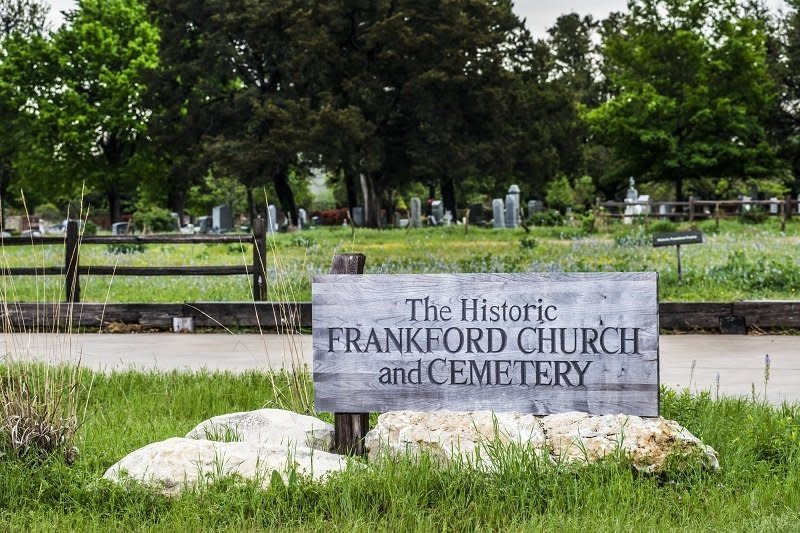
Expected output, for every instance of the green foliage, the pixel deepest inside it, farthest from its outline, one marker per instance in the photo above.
(154, 220)
(585, 192)
(754, 215)
(559, 194)
(757, 272)
(528, 243)
(85, 100)
(48, 212)
(691, 92)
(548, 217)
(756, 488)
(662, 226)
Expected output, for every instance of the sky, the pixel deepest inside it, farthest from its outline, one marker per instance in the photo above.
(539, 14)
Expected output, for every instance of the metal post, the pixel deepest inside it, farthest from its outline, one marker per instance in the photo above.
(680, 274)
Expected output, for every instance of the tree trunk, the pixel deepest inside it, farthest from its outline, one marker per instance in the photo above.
(251, 207)
(114, 208)
(285, 194)
(5, 182)
(372, 206)
(679, 189)
(449, 196)
(176, 201)
(351, 190)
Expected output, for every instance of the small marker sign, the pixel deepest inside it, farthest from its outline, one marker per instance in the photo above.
(677, 238)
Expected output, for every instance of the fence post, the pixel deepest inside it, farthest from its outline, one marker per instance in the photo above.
(691, 209)
(349, 428)
(72, 281)
(259, 259)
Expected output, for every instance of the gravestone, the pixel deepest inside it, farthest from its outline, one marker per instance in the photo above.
(358, 216)
(302, 218)
(512, 206)
(774, 206)
(476, 213)
(272, 219)
(447, 218)
(498, 213)
(416, 213)
(119, 228)
(534, 206)
(538, 343)
(631, 197)
(222, 218)
(437, 211)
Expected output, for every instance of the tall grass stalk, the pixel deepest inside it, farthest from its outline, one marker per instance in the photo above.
(297, 397)
(40, 411)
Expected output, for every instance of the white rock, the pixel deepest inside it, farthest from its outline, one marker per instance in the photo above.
(567, 437)
(450, 434)
(178, 463)
(648, 442)
(267, 426)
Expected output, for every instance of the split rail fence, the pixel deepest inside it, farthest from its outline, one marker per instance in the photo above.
(734, 317)
(692, 209)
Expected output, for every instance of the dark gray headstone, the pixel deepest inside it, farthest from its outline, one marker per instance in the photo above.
(358, 216)
(416, 212)
(222, 218)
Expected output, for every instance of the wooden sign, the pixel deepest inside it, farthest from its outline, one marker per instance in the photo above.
(536, 343)
(677, 238)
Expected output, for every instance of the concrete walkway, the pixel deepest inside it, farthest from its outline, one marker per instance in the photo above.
(692, 361)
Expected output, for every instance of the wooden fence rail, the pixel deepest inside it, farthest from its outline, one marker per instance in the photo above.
(691, 209)
(731, 317)
(72, 270)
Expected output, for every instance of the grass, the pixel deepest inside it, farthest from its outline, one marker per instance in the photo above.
(757, 487)
(738, 261)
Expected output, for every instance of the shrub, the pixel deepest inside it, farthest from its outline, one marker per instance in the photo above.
(559, 194)
(49, 212)
(753, 216)
(662, 226)
(154, 219)
(550, 217)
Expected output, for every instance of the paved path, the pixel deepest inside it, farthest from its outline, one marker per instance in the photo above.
(686, 360)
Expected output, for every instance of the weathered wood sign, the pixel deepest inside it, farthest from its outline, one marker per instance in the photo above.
(538, 343)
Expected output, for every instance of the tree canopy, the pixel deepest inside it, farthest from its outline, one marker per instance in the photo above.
(167, 101)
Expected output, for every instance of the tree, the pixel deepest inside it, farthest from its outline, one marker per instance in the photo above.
(21, 21)
(690, 92)
(90, 120)
(24, 18)
(417, 91)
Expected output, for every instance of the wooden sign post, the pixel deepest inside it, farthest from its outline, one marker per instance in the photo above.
(535, 343)
(677, 239)
(349, 429)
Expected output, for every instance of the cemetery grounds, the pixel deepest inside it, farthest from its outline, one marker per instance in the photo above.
(756, 488)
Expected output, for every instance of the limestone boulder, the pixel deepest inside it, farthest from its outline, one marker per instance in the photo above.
(267, 426)
(450, 434)
(648, 442)
(567, 437)
(175, 464)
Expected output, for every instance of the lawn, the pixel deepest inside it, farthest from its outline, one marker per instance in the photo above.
(736, 262)
(756, 489)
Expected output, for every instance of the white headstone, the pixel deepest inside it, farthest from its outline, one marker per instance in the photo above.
(302, 218)
(773, 205)
(512, 210)
(272, 219)
(498, 213)
(416, 212)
